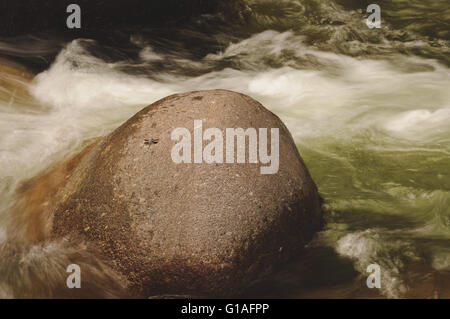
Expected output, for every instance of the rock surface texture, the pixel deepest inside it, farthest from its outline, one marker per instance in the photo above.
(188, 229)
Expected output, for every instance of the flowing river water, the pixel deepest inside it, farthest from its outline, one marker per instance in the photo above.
(368, 108)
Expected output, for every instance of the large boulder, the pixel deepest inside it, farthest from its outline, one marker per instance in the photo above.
(189, 228)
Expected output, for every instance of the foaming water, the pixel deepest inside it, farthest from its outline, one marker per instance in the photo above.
(370, 119)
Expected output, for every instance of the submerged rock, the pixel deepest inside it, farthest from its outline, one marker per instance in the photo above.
(187, 229)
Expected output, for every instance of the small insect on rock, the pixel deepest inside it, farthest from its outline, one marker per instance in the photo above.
(150, 141)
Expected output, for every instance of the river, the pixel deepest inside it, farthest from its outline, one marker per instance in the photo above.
(368, 109)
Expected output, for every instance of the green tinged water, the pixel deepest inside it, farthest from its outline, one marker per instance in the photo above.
(378, 146)
(430, 18)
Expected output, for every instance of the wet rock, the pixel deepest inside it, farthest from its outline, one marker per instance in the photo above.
(189, 228)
